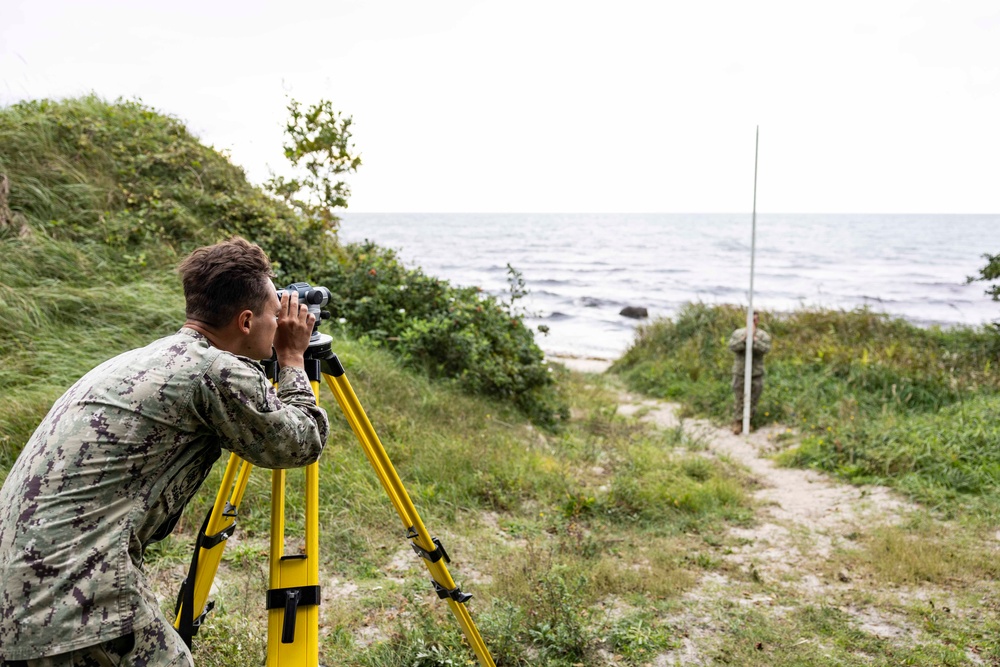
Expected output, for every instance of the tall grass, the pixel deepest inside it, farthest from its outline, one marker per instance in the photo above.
(126, 177)
(63, 310)
(876, 398)
(542, 529)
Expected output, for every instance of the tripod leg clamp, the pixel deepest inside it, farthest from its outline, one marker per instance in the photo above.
(290, 599)
(196, 622)
(432, 556)
(210, 541)
(455, 594)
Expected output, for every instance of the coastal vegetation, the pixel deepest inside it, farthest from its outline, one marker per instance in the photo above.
(112, 195)
(586, 535)
(871, 398)
(573, 543)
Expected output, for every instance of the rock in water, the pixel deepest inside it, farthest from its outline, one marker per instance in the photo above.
(635, 312)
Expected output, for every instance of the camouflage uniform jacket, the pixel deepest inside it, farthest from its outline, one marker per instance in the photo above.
(109, 470)
(761, 346)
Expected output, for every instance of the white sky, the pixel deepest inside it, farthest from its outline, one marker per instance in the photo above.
(876, 106)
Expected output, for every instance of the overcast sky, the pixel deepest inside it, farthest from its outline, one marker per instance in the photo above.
(875, 106)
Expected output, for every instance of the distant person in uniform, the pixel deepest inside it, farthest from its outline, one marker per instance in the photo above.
(738, 345)
(113, 464)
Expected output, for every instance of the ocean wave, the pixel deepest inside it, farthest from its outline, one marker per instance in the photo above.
(582, 268)
(553, 282)
(594, 302)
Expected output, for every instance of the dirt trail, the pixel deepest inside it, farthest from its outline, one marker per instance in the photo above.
(804, 512)
(803, 517)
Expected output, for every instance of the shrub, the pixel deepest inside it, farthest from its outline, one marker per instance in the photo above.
(451, 332)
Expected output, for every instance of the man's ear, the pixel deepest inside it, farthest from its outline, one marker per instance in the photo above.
(243, 321)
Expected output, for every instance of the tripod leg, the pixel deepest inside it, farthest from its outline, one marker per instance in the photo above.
(429, 549)
(293, 594)
(219, 526)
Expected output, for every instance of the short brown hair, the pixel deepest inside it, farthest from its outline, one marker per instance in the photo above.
(223, 279)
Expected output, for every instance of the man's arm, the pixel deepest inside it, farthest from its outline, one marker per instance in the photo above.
(283, 429)
(738, 341)
(268, 428)
(761, 342)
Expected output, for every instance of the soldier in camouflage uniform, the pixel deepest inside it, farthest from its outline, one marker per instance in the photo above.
(111, 467)
(738, 345)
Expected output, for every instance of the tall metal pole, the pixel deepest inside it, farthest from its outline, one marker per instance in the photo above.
(748, 368)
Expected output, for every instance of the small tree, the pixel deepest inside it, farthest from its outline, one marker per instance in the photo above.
(320, 147)
(990, 272)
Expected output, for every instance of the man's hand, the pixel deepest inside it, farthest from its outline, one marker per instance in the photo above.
(295, 326)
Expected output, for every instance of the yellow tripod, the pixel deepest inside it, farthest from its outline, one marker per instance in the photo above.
(293, 595)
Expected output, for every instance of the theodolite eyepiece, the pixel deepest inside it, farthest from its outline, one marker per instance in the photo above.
(309, 295)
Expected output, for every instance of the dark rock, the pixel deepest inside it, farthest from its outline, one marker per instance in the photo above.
(635, 312)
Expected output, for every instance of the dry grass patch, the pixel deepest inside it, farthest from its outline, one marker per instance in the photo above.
(928, 552)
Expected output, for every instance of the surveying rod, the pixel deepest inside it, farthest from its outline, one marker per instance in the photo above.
(748, 366)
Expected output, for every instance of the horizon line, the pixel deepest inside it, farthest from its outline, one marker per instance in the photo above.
(910, 213)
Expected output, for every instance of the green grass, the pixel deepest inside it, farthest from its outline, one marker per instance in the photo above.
(546, 530)
(825, 635)
(946, 459)
(875, 399)
(61, 315)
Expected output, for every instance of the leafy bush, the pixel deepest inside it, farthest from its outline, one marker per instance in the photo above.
(556, 625)
(990, 272)
(446, 331)
(638, 640)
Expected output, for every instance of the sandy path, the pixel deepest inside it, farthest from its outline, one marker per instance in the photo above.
(803, 512)
(802, 517)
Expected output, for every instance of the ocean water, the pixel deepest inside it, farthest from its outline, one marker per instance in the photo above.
(582, 269)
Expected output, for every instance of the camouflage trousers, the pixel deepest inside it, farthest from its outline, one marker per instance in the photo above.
(156, 645)
(756, 387)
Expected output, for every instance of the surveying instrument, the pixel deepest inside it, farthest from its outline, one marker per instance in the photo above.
(293, 595)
